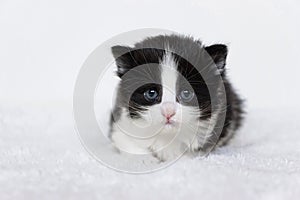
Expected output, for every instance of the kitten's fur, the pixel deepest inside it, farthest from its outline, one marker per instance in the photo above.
(180, 112)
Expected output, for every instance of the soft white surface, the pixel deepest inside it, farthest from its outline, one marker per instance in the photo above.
(41, 157)
(44, 43)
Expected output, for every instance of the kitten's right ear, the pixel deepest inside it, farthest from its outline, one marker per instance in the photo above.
(123, 58)
(218, 52)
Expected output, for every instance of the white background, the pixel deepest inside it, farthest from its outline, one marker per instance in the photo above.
(42, 47)
(44, 43)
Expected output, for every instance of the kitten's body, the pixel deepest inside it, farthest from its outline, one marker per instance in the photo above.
(163, 105)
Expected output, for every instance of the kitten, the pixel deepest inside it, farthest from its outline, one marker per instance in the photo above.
(164, 104)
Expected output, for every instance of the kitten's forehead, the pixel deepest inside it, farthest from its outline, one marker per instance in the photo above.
(169, 76)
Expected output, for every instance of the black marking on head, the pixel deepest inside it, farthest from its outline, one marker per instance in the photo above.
(128, 58)
(139, 71)
(138, 103)
(191, 79)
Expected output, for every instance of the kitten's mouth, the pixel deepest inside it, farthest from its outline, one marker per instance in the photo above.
(170, 122)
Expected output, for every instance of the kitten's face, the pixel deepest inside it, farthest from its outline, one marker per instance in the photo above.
(161, 91)
(170, 101)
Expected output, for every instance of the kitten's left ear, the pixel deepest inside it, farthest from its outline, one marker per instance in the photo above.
(218, 52)
(120, 50)
(123, 59)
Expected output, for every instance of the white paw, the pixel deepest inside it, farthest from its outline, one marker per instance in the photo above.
(194, 145)
(169, 152)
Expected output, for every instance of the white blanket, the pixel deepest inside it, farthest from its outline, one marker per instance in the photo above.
(41, 158)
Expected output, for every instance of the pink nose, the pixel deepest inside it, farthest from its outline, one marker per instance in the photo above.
(168, 109)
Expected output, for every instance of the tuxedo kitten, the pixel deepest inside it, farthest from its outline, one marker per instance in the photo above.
(164, 102)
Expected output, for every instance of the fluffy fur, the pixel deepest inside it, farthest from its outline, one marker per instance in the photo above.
(164, 105)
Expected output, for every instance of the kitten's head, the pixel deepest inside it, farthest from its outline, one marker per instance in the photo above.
(160, 85)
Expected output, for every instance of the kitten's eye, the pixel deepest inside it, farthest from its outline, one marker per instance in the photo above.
(186, 95)
(151, 95)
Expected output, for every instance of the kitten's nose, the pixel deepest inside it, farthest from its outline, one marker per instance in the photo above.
(168, 109)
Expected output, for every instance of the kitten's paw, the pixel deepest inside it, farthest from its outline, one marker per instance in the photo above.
(194, 146)
(171, 152)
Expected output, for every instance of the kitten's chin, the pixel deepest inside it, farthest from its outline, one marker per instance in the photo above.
(171, 124)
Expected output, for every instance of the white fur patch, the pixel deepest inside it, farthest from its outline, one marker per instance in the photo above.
(169, 77)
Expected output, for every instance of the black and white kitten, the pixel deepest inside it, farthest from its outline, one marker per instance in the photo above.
(163, 103)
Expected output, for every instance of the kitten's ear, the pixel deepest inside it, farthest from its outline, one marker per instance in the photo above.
(123, 58)
(118, 50)
(218, 52)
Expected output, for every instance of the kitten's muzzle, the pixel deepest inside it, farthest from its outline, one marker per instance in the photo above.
(168, 110)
